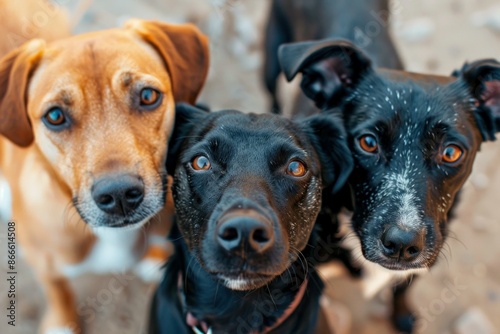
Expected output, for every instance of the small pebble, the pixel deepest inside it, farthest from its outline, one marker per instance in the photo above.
(489, 18)
(480, 181)
(473, 321)
(417, 30)
(481, 224)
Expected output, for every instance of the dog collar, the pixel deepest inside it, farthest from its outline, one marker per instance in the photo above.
(201, 327)
(288, 312)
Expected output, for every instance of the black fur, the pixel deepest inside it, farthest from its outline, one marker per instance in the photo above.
(249, 155)
(413, 118)
(362, 22)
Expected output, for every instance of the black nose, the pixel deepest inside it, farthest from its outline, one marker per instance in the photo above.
(245, 234)
(402, 244)
(118, 194)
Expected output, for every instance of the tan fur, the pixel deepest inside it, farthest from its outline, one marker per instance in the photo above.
(95, 77)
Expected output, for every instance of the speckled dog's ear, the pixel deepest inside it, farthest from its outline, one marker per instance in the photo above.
(330, 69)
(328, 136)
(483, 79)
(186, 118)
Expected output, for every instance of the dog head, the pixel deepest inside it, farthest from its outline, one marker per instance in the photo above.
(248, 188)
(413, 137)
(100, 109)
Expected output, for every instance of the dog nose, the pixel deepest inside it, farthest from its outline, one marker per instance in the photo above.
(401, 244)
(118, 194)
(245, 234)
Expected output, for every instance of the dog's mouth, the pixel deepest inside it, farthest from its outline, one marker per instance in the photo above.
(242, 281)
(126, 223)
(134, 221)
(129, 223)
(400, 266)
(423, 262)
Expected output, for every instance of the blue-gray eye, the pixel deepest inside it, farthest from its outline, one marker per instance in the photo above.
(55, 117)
(149, 97)
(296, 168)
(201, 163)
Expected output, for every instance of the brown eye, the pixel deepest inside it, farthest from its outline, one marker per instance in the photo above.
(54, 118)
(296, 168)
(149, 97)
(368, 143)
(201, 163)
(452, 153)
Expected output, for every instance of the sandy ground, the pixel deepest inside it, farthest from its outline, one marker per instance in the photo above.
(433, 37)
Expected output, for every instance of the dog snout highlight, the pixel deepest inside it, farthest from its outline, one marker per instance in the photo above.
(118, 194)
(403, 244)
(245, 232)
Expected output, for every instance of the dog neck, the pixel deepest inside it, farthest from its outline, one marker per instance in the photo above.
(201, 327)
(209, 307)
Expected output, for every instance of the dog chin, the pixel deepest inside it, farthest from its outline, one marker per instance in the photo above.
(403, 270)
(399, 269)
(125, 225)
(242, 283)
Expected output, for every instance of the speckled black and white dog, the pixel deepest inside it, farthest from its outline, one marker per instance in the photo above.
(247, 192)
(414, 139)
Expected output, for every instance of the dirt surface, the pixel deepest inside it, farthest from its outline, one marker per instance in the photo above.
(432, 37)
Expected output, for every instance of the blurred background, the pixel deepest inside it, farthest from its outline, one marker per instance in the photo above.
(462, 292)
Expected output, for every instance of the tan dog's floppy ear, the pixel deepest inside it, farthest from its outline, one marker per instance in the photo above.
(185, 51)
(15, 71)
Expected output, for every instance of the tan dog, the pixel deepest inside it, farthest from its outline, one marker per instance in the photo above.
(87, 121)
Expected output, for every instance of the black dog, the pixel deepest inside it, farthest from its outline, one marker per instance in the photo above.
(247, 191)
(414, 139)
(363, 22)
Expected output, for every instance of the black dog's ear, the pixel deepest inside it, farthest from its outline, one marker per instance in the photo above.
(327, 134)
(483, 79)
(186, 118)
(330, 68)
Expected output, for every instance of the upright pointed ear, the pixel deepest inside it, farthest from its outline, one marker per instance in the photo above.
(186, 118)
(328, 137)
(16, 69)
(483, 79)
(331, 68)
(185, 52)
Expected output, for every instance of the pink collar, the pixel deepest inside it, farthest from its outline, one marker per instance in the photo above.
(195, 324)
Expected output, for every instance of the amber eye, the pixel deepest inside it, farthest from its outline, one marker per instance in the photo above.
(452, 154)
(149, 97)
(201, 163)
(296, 168)
(368, 143)
(54, 118)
